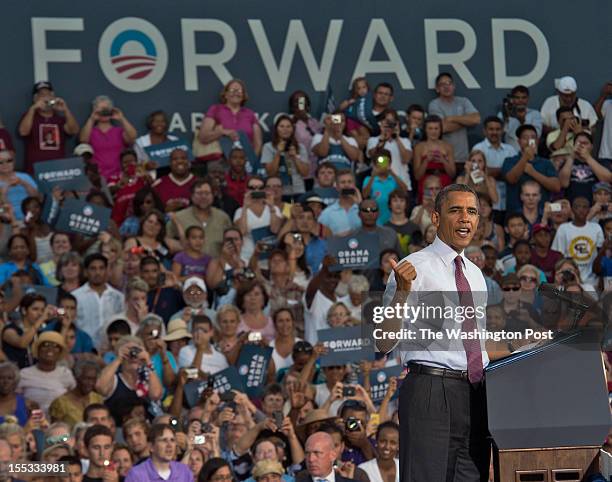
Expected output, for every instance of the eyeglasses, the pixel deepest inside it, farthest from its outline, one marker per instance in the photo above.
(369, 210)
(302, 347)
(5, 161)
(235, 91)
(528, 279)
(220, 478)
(232, 239)
(275, 186)
(259, 187)
(195, 292)
(57, 439)
(511, 288)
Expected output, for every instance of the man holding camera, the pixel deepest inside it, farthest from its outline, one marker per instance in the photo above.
(382, 183)
(45, 126)
(566, 97)
(333, 146)
(399, 148)
(515, 113)
(528, 165)
(342, 216)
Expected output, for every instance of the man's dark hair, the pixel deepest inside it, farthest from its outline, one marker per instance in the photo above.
(92, 407)
(488, 247)
(95, 257)
(443, 194)
(273, 389)
(520, 89)
(511, 216)
(158, 430)
(95, 431)
(200, 181)
(381, 152)
(153, 115)
(71, 459)
(149, 260)
(586, 134)
(232, 229)
(351, 405)
(119, 326)
(525, 127)
(415, 108)
(520, 242)
(398, 193)
(443, 74)
(386, 85)
(202, 320)
(493, 118)
(307, 209)
(211, 467)
(327, 165)
(331, 428)
(67, 296)
(563, 109)
(387, 424)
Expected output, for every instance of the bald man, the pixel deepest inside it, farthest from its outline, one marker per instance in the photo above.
(320, 456)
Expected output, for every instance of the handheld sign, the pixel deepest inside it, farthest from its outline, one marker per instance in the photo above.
(360, 251)
(253, 367)
(345, 345)
(379, 382)
(81, 217)
(69, 174)
(160, 153)
(243, 142)
(49, 292)
(361, 111)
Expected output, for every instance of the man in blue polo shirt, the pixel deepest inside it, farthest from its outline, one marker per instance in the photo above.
(161, 465)
(342, 216)
(528, 165)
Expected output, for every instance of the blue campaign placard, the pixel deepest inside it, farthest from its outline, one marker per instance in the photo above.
(80, 217)
(68, 174)
(359, 251)
(253, 367)
(379, 382)
(253, 164)
(361, 111)
(345, 345)
(227, 380)
(160, 153)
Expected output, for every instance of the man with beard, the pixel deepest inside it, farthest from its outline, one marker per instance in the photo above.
(161, 464)
(45, 125)
(202, 213)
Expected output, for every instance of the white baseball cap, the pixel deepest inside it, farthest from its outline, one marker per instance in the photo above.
(194, 281)
(566, 85)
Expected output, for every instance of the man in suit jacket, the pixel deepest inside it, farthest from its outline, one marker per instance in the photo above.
(320, 457)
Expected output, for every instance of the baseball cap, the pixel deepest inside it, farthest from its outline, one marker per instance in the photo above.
(82, 149)
(566, 85)
(602, 186)
(194, 281)
(42, 84)
(539, 227)
(315, 199)
(265, 467)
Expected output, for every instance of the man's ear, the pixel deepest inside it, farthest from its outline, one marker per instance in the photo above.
(435, 219)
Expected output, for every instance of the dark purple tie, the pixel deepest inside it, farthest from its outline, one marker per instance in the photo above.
(471, 346)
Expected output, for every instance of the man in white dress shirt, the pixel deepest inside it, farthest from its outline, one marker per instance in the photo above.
(320, 456)
(443, 415)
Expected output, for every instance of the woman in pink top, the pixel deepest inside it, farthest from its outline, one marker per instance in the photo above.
(251, 299)
(230, 116)
(107, 138)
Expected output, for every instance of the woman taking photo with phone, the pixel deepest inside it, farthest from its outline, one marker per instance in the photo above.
(476, 176)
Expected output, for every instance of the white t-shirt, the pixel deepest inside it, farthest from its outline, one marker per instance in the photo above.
(44, 387)
(550, 106)
(333, 142)
(605, 150)
(211, 362)
(253, 222)
(279, 361)
(581, 244)
(399, 169)
(371, 468)
(315, 318)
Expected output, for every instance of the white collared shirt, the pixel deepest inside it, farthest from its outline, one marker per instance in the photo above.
(435, 267)
(93, 310)
(331, 477)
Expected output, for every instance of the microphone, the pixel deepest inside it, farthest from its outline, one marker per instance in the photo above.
(550, 289)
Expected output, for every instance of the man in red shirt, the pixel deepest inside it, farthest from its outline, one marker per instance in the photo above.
(541, 255)
(174, 189)
(236, 178)
(45, 125)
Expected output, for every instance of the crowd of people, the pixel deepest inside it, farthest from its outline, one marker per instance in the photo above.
(102, 336)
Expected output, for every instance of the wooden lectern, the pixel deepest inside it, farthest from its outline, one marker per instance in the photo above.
(548, 410)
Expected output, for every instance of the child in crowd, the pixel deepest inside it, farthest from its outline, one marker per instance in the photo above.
(191, 261)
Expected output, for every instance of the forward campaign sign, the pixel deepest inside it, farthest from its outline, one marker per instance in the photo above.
(160, 153)
(345, 345)
(69, 174)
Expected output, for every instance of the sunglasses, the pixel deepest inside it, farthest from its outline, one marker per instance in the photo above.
(369, 210)
(511, 288)
(302, 348)
(528, 279)
(50, 344)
